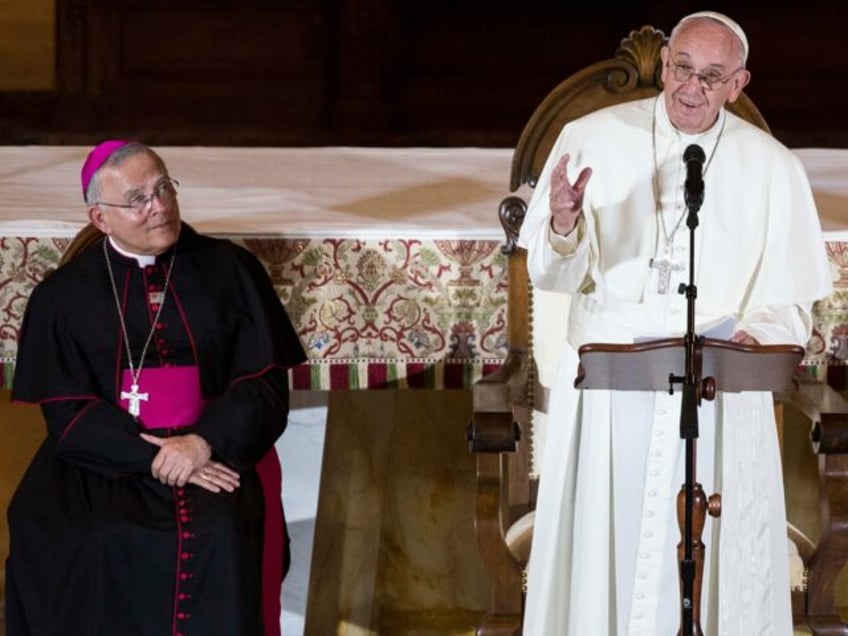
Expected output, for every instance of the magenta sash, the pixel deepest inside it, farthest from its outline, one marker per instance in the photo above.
(169, 396)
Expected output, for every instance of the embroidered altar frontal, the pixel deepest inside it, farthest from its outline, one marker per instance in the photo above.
(389, 313)
(378, 313)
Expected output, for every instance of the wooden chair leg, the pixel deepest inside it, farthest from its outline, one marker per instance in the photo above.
(829, 436)
(832, 549)
(504, 616)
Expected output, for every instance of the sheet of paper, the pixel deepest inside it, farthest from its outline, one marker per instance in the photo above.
(720, 329)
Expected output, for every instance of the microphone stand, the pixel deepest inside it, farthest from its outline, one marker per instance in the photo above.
(692, 495)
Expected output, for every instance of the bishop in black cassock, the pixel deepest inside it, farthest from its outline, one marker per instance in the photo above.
(98, 544)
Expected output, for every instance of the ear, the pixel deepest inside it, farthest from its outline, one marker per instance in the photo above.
(664, 60)
(98, 219)
(739, 82)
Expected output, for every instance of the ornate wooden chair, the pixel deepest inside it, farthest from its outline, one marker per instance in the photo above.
(509, 405)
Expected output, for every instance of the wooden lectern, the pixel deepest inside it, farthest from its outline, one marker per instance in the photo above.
(728, 366)
(718, 365)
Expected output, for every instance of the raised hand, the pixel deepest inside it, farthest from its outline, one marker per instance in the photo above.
(566, 199)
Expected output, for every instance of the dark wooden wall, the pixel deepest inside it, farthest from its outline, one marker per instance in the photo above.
(385, 72)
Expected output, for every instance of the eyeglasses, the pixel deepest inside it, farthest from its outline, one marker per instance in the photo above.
(165, 190)
(709, 80)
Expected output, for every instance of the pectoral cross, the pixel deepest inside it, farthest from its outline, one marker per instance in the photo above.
(664, 267)
(134, 398)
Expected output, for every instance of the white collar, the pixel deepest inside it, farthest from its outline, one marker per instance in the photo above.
(143, 259)
(709, 135)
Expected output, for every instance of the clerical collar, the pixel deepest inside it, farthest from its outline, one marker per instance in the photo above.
(709, 135)
(143, 259)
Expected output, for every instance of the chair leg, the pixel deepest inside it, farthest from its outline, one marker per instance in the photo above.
(504, 618)
(832, 551)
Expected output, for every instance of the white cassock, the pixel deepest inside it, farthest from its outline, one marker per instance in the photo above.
(604, 558)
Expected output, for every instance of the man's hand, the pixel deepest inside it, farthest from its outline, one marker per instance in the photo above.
(179, 457)
(215, 477)
(566, 198)
(742, 337)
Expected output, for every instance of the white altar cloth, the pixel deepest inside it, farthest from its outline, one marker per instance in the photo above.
(338, 192)
(334, 191)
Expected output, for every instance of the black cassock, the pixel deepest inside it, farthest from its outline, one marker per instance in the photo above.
(97, 545)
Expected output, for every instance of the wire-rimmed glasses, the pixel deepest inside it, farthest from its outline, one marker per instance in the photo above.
(709, 80)
(165, 190)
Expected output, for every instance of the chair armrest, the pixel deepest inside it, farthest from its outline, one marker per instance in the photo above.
(496, 398)
(827, 411)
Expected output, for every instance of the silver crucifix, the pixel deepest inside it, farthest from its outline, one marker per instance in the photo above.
(664, 267)
(134, 398)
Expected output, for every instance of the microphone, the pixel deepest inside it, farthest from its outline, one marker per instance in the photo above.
(694, 158)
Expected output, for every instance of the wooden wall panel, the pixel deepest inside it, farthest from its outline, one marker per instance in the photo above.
(384, 72)
(26, 45)
(192, 72)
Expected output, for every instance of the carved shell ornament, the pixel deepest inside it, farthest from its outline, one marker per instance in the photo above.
(640, 51)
